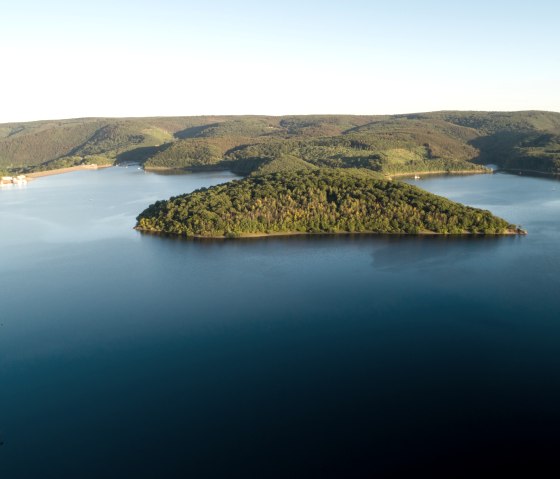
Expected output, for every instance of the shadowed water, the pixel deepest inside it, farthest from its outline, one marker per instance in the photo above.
(129, 355)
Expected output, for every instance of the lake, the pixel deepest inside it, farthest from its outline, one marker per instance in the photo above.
(130, 355)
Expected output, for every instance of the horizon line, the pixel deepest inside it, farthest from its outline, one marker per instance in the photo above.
(271, 115)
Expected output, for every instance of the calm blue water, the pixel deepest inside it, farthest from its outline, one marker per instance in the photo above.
(124, 355)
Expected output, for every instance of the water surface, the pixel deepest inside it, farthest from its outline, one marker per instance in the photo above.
(129, 355)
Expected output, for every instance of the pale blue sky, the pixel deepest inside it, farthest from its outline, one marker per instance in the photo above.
(65, 59)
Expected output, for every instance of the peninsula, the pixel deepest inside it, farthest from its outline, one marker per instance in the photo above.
(312, 202)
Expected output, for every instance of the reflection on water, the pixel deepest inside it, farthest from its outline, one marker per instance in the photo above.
(433, 252)
(130, 355)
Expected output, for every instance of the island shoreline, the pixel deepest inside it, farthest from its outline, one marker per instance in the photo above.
(516, 232)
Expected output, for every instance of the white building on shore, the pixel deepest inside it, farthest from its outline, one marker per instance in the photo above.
(13, 180)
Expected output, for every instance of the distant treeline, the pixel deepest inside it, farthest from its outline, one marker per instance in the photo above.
(315, 201)
(254, 145)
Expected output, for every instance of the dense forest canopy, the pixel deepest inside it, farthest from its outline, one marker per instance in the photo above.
(252, 145)
(315, 201)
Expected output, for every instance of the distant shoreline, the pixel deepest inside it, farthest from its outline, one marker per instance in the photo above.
(389, 176)
(440, 173)
(212, 168)
(527, 172)
(60, 171)
(189, 169)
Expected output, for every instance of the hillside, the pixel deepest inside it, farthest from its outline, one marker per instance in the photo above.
(36, 143)
(390, 145)
(317, 201)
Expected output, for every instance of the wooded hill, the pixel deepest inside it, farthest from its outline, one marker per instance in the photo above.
(253, 145)
(318, 201)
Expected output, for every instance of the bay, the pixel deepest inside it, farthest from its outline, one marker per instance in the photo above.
(130, 355)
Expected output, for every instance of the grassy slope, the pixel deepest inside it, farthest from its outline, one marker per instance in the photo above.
(35, 143)
(439, 141)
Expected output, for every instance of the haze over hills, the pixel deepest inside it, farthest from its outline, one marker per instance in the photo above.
(447, 141)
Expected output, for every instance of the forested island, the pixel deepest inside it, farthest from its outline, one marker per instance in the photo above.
(315, 201)
(391, 145)
(310, 174)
